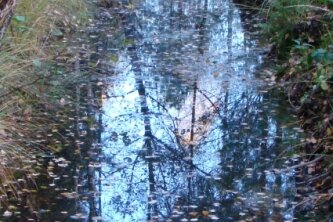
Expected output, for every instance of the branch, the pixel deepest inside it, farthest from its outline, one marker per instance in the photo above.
(300, 165)
(312, 7)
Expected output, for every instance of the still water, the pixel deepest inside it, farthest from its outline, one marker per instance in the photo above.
(178, 125)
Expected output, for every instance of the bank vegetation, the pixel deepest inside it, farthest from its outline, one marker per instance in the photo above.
(301, 46)
(30, 84)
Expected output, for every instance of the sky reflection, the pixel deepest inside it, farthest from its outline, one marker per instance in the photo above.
(182, 132)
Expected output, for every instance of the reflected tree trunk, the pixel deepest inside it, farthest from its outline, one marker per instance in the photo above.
(152, 214)
(193, 111)
(131, 33)
(230, 30)
(91, 180)
(201, 26)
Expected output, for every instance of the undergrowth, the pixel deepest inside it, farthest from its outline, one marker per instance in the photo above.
(26, 75)
(301, 32)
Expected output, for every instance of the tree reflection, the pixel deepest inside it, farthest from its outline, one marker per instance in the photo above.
(185, 131)
(174, 173)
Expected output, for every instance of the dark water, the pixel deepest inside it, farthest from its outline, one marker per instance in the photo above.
(176, 127)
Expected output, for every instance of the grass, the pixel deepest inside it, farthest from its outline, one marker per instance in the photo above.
(25, 57)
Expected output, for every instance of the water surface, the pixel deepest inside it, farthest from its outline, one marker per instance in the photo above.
(180, 127)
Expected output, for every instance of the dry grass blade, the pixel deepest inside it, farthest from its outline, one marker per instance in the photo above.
(25, 48)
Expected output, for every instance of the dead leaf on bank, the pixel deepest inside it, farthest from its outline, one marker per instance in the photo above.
(311, 169)
(310, 39)
(311, 140)
(268, 72)
(2, 131)
(323, 198)
(27, 111)
(286, 36)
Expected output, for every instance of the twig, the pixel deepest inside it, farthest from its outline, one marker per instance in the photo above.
(311, 6)
(300, 165)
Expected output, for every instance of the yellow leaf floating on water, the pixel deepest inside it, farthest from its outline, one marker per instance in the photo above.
(323, 198)
(193, 214)
(130, 6)
(216, 74)
(72, 195)
(205, 213)
(7, 214)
